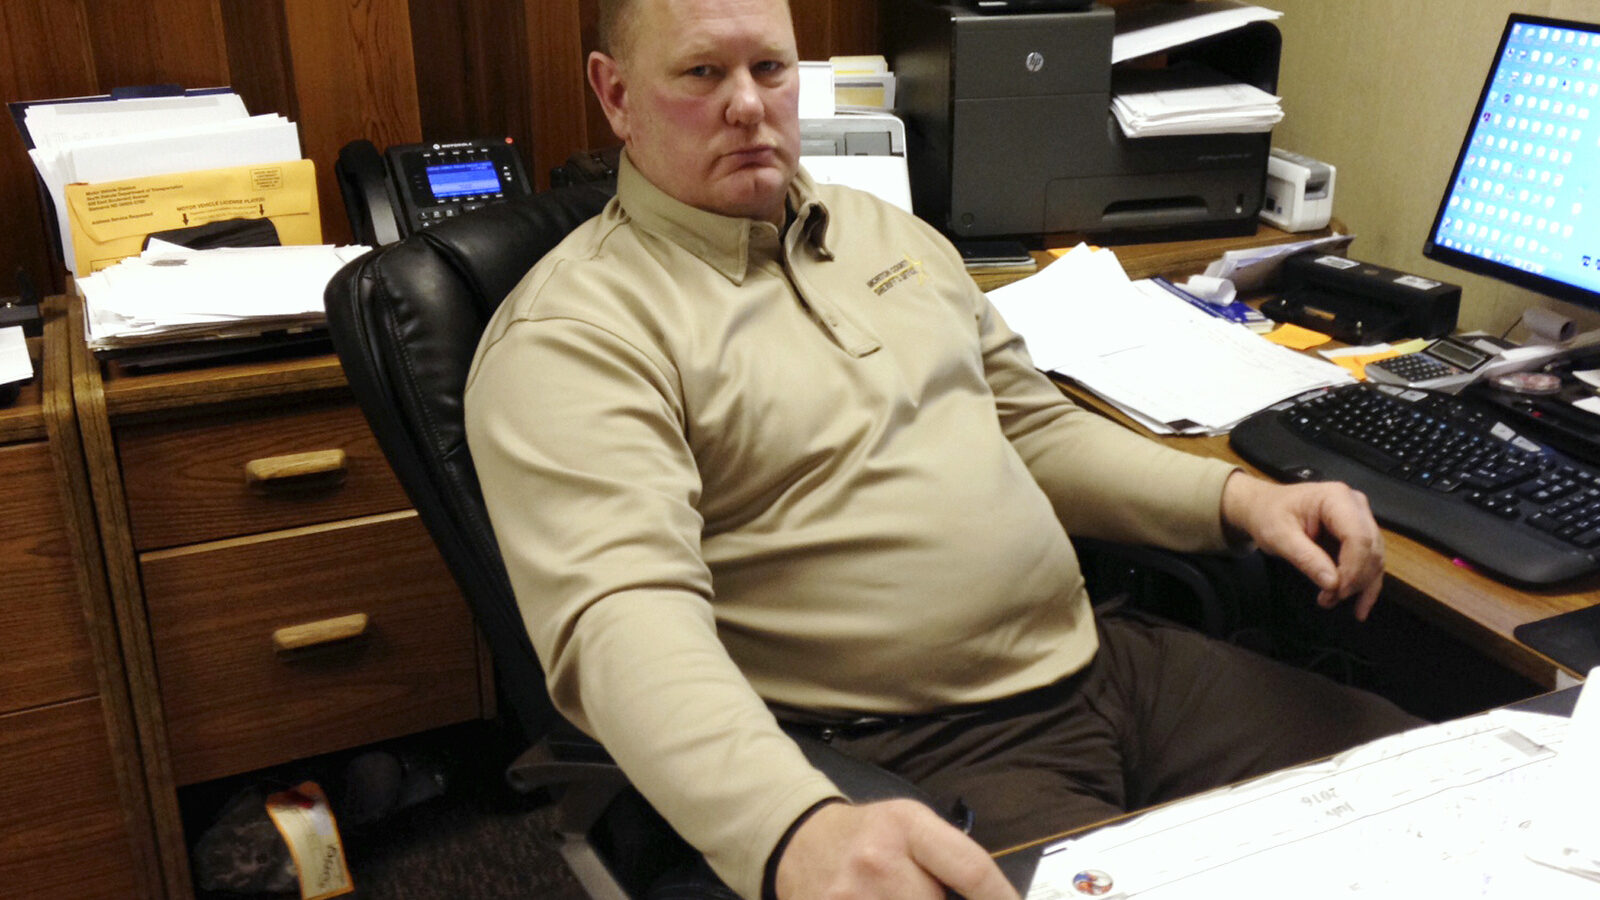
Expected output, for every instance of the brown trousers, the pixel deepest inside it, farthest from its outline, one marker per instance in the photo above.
(1160, 713)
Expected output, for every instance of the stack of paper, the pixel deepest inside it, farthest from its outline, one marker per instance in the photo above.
(1189, 99)
(169, 293)
(1256, 268)
(110, 140)
(1154, 27)
(862, 84)
(1168, 365)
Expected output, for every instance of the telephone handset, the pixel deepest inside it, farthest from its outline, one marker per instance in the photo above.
(412, 186)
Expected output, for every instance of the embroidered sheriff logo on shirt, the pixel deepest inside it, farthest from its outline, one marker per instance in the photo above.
(907, 268)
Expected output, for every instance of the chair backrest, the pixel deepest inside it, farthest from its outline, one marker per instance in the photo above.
(405, 320)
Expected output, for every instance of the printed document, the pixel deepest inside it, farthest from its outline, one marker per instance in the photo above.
(1168, 365)
(1497, 805)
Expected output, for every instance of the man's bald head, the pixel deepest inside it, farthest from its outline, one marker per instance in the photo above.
(615, 16)
(616, 26)
(704, 95)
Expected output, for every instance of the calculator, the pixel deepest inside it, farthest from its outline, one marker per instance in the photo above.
(1446, 364)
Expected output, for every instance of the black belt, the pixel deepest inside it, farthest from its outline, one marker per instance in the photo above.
(825, 728)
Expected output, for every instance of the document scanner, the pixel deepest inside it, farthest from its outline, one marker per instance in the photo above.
(1008, 117)
(853, 134)
(1361, 303)
(860, 150)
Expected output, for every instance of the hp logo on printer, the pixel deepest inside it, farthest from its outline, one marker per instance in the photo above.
(1035, 61)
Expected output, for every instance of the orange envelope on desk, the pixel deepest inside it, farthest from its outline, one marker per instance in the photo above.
(110, 219)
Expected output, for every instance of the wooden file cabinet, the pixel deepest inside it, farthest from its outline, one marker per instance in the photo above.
(73, 819)
(244, 506)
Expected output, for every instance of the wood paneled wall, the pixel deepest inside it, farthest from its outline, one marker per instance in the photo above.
(391, 71)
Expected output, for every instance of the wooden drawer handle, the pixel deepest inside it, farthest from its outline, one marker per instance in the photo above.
(316, 634)
(295, 469)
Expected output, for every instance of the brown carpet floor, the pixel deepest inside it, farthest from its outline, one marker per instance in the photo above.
(475, 840)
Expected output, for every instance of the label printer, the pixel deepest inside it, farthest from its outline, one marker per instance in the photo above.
(1009, 122)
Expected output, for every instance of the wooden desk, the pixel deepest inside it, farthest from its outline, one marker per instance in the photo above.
(1474, 608)
(73, 812)
(1173, 259)
(235, 501)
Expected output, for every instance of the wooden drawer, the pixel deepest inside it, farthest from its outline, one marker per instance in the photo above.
(186, 481)
(62, 832)
(233, 703)
(45, 655)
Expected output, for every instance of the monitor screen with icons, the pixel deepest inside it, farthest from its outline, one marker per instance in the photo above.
(1523, 202)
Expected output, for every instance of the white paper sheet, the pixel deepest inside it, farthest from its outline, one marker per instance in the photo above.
(816, 90)
(1190, 99)
(1153, 27)
(1441, 811)
(171, 293)
(15, 364)
(1563, 834)
(885, 177)
(1172, 367)
(1254, 268)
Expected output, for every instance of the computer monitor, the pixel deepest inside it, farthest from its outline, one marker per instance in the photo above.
(1523, 202)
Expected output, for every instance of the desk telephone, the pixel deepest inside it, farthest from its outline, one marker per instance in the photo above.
(412, 186)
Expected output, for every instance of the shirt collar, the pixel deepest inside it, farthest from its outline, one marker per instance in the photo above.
(728, 244)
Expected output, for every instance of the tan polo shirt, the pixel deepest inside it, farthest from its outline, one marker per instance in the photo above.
(729, 467)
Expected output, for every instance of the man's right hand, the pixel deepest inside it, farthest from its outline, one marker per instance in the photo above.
(889, 850)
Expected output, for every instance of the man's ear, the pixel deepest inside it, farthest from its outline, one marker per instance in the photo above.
(605, 79)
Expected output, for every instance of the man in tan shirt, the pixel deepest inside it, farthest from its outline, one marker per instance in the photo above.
(757, 449)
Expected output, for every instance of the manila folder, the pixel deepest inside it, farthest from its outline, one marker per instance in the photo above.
(110, 219)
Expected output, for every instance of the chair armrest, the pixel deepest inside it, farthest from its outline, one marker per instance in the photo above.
(590, 783)
(1209, 592)
(861, 781)
(581, 765)
(587, 786)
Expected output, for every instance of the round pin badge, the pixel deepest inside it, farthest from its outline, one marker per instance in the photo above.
(1092, 882)
(1527, 382)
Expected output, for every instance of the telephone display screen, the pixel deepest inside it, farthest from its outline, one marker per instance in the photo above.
(463, 179)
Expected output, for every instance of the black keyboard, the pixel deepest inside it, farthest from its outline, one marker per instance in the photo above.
(1440, 468)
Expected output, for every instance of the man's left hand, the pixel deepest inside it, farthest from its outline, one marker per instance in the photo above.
(1289, 520)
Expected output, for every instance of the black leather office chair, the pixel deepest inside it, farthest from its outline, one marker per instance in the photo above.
(405, 320)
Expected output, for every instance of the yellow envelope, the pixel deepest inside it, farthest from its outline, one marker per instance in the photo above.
(110, 219)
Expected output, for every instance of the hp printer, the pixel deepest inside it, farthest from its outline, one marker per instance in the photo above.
(1010, 130)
